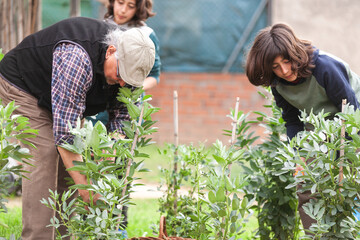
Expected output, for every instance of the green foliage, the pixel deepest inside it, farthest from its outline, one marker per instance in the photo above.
(336, 195)
(15, 129)
(105, 162)
(276, 205)
(214, 207)
(228, 210)
(12, 220)
(142, 216)
(1, 54)
(182, 211)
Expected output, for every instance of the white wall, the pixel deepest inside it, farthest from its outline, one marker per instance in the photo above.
(331, 25)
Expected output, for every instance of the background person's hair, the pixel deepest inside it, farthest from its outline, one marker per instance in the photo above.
(143, 12)
(278, 40)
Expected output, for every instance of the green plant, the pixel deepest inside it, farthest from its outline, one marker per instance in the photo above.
(15, 129)
(1, 54)
(12, 223)
(213, 207)
(182, 211)
(335, 192)
(228, 209)
(105, 163)
(276, 205)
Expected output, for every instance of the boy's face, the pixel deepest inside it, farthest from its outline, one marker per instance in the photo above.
(124, 11)
(282, 68)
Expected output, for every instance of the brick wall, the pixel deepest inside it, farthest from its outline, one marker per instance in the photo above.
(204, 100)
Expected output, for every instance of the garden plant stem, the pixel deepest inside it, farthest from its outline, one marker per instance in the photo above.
(130, 159)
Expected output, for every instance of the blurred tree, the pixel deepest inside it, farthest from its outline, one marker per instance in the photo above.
(18, 19)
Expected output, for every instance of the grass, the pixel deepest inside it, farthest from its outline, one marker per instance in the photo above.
(12, 221)
(142, 217)
(152, 164)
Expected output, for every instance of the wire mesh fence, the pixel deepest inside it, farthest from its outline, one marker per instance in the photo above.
(195, 36)
(200, 36)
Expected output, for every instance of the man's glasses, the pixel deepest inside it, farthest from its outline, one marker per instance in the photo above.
(117, 69)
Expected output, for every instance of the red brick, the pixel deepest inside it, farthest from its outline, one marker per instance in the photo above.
(204, 101)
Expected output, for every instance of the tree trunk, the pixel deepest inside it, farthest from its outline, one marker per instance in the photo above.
(75, 8)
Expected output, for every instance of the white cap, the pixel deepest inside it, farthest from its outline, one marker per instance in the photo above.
(136, 53)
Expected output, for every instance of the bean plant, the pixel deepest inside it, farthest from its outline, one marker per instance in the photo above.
(15, 129)
(1, 54)
(105, 160)
(182, 211)
(228, 208)
(332, 175)
(275, 205)
(219, 210)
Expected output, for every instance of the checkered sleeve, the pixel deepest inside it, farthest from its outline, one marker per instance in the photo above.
(71, 79)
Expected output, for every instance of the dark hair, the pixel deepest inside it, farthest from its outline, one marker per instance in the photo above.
(143, 12)
(278, 40)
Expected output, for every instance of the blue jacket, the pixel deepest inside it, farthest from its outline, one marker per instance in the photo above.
(331, 81)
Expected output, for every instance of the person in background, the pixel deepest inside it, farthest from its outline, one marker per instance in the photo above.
(67, 71)
(302, 78)
(127, 14)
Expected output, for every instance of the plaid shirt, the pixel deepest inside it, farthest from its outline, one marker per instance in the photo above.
(72, 77)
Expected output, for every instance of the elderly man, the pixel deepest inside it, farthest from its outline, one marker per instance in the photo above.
(71, 69)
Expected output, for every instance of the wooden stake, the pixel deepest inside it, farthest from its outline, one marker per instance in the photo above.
(176, 119)
(341, 172)
(233, 139)
(234, 123)
(176, 138)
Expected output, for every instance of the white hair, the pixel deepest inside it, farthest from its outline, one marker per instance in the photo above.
(113, 37)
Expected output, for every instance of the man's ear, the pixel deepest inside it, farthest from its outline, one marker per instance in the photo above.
(111, 50)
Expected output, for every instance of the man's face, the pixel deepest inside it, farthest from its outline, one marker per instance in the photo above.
(111, 68)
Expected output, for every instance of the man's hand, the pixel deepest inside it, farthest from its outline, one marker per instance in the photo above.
(68, 158)
(299, 168)
(85, 195)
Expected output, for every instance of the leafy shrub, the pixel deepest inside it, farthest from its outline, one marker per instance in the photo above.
(218, 209)
(15, 129)
(181, 211)
(105, 162)
(336, 195)
(1, 54)
(276, 205)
